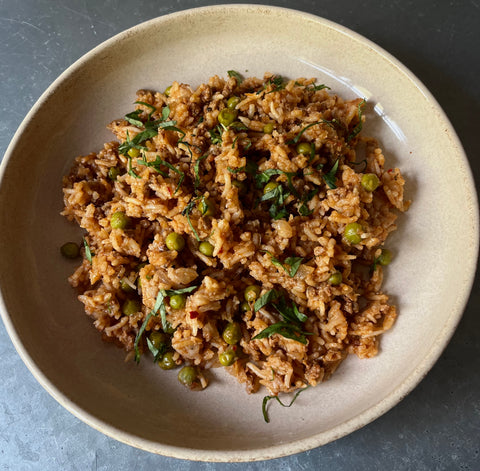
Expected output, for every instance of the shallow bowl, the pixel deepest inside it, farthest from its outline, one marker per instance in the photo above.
(138, 405)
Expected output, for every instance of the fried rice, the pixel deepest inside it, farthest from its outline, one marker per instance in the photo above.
(283, 208)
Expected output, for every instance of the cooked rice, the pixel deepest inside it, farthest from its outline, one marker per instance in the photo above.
(342, 319)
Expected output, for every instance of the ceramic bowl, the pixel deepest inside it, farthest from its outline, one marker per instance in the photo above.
(429, 281)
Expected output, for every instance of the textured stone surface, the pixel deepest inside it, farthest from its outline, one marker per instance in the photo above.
(438, 425)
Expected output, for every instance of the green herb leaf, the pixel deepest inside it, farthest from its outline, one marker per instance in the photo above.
(315, 88)
(294, 263)
(88, 252)
(131, 172)
(186, 212)
(234, 73)
(156, 166)
(285, 329)
(268, 297)
(289, 313)
(196, 168)
(268, 398)
(134, 118)
(330, 178)
(216, 134)
(141, 331)
(148, 105)
(165, 113)
(359, 126)
(157, 352)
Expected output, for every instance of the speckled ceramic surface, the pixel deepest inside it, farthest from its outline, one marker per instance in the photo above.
(436, 243)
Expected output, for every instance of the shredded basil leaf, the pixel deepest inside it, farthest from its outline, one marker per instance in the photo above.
(196, 168)
(88, 252)
(290, 265)
(330, 178)
(234, 73)
(134, 118)
(268, 297)
(131, 172)
(216, 134)
(186, 212)
(268, 398)
(285, 329)
(156, 166)
(359, 126)
(159, 307)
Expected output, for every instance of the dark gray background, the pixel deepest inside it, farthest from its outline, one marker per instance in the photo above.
(438, 425)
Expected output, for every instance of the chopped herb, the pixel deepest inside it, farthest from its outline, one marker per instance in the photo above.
(285, 329)
(88, 252)
(234, 73)
(186, 212)
(196, 168)
(358, 127)
(157, 352)
(156, 166)
(134, 118)
(250, 168)
(238, 126)
(159, 307)
(303, 209)
(216, 134)
(151, 128)
(278, 196)
(148, 105)
(330, 178)
(315, 88)
(233, 146)
(290, 265)
(247, 143)
(268, 398)
(131, 172)
(268, 297)
(332, 123)
(290, 327)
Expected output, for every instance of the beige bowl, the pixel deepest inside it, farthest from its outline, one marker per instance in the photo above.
(436, 244)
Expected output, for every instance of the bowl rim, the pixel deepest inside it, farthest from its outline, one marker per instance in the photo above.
(299, 445)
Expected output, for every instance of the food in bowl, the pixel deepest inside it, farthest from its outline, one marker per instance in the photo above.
(239, 225)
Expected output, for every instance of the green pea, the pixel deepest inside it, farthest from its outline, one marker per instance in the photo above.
(130, 307)
(335, 278)
(227, 117)
(304, 148)
(113, 173)
(252, 292)
(353, 232)
(268, 128)
(232, 333)
(70, 250)
(187, 375)
(245, 306)
(270, 187)
(385, 257)
(167, 362)
(133, 152)
(227, 357)
(370, 181)
(177, 301)
(206, 248)
(206, 206)
(232, 102)
(167, 91)
(174, 241)
(159, 339)
(119, 220)
(125, 286)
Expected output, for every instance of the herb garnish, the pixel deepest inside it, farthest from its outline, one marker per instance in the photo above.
(196, 168)
(330, 178)
(216, 134)
(332, 123)
(151, 129)
(159, 307)
(268, 398)
(277, 196)
(290, 327)
(156, 166)
(186, 212)
(306, 197)
(88, 252)
(358, 127)
(290, 264)
(234, 73)
(315, 88)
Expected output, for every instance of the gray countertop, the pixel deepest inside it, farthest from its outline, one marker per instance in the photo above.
(438, 425)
